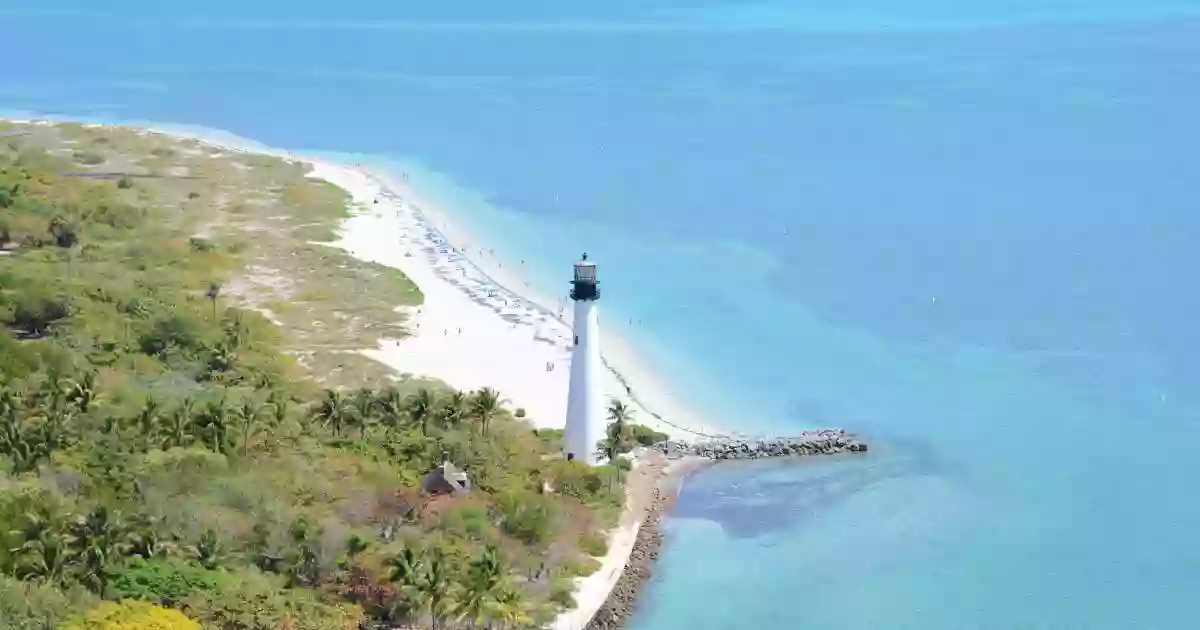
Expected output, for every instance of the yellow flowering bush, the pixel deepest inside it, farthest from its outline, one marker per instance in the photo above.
(130, 615)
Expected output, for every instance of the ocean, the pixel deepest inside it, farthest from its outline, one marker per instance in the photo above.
(965, 230)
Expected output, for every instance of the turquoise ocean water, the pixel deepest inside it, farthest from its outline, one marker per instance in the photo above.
(965, 229)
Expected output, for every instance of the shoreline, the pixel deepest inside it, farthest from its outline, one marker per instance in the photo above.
(391, 224)
(651, 490)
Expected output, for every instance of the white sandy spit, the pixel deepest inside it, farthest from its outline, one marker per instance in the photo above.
(471, 332)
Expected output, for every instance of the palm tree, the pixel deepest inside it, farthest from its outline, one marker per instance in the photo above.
(509, 608)
(213, 292)
(437, 587)
(247, 417)
(617, 435)
(53, 430)
(279, 404)
(148, 417)
(213, 425)
(485, 403)
(96, 539)
(53, 391)
(422, 407)
(485, 576)
(23, 445)
(43, 554)
(333, 411)
(355, 545)
(176, 430)
(65, 237)
(406, 571)
(455, 409)
(207, 551)
(364, 409)
(303, 563)
(237, 332)
(391, 407)
(11, 405)
(143, 539)
(619, 412)
(221, 361)
(83, 392)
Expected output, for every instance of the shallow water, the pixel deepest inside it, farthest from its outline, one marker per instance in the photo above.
(965, 229)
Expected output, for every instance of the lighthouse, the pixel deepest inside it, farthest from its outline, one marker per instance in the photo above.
(585, 409)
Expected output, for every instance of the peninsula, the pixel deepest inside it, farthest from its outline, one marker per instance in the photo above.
(236, 380)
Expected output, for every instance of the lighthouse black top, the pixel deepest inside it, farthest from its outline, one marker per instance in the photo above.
(585, 286)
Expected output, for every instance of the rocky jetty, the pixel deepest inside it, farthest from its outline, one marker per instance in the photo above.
(816, 442)
(617, 609)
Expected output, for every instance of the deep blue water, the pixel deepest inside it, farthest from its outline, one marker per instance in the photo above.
(965, 229)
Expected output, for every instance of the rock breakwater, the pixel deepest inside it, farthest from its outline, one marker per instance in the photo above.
(618, 608)
(815, 442)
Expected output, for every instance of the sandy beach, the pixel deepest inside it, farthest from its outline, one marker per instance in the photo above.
(473, 331)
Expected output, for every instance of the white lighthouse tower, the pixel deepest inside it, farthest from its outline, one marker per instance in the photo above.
(585, 408)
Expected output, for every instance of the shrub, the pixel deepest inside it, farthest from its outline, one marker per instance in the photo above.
(29, 606)
(562, 593)
(469, 518)
(179, 330)
(520, 412)
(116, 215)
(34, 313)
(526, 517)
(130, 615)
(124, 183)
(578, 480)
(593, 544)
(187, 469)
(581, 567)
(8, 195)
(254, 602)
(88, 158)
(162, 581)
(646, 436)
(200, 244)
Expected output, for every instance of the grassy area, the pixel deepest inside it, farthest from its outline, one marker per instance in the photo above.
(184, 420)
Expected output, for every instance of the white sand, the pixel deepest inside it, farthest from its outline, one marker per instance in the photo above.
(471, 332)
(506, 340)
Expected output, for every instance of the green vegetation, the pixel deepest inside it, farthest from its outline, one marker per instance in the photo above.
(174, 451)
(622, 435)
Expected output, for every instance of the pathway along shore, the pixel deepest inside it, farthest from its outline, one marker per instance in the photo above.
(662, 468)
